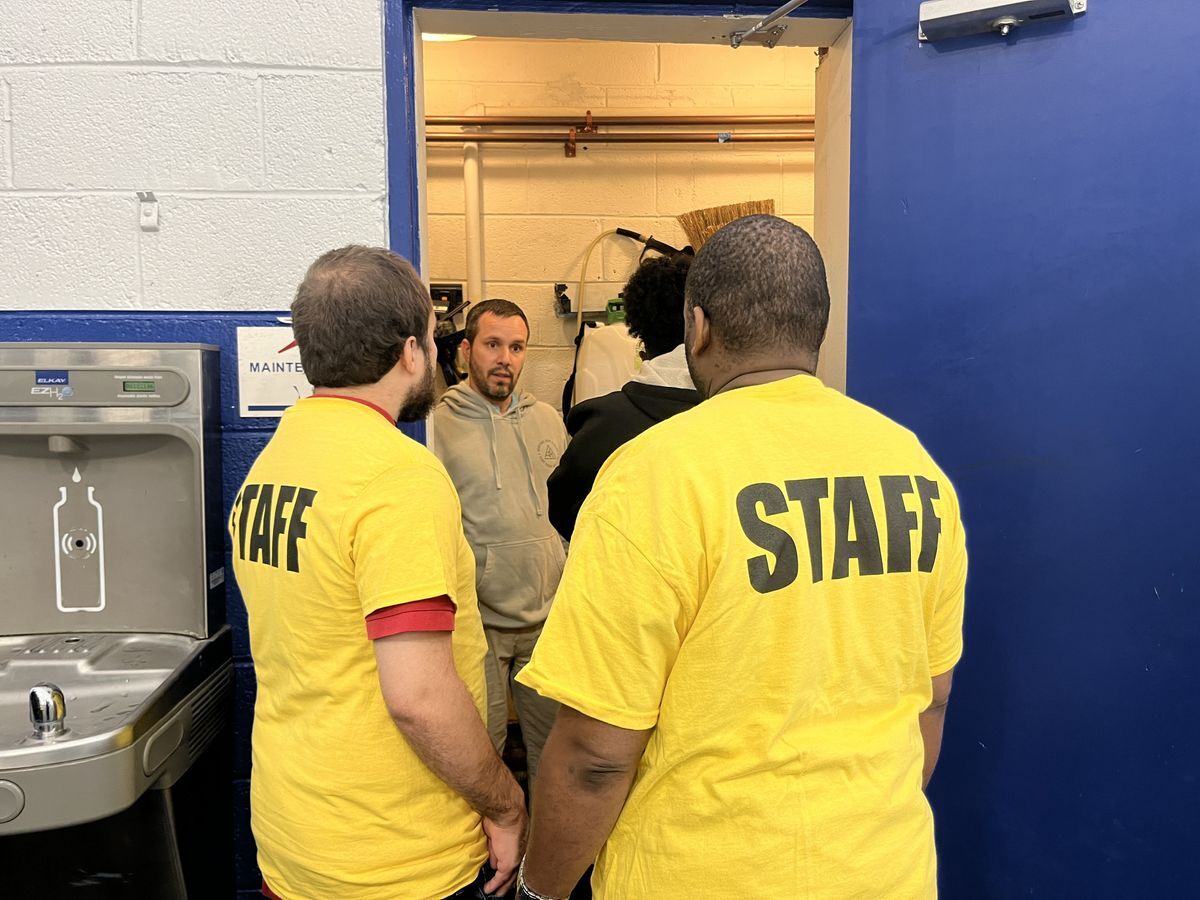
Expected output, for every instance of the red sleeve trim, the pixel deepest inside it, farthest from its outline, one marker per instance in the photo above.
(436, 614)
(268, 893)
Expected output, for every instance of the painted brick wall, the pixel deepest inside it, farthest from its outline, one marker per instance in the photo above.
(541, 210)
(258, 124)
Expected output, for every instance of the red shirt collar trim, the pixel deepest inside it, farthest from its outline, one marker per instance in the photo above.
(379, 409)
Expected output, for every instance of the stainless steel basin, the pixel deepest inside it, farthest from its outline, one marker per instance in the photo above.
(139, 709)
(116, 670)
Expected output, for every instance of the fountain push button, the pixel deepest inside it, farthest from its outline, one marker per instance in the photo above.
(12, 801)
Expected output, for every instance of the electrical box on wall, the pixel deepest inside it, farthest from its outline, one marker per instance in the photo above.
(945, 19)
(445, 297)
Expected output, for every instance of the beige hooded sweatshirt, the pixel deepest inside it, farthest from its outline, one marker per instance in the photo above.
(499, 464)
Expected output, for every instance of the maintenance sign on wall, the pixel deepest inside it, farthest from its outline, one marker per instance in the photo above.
(270, 377)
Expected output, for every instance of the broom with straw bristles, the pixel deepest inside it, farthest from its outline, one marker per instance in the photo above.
(699, 224)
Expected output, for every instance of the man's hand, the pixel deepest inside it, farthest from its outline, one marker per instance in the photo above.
(506, 843)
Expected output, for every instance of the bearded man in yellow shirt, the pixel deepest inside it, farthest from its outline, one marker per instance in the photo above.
(373, 775)
(754, 636)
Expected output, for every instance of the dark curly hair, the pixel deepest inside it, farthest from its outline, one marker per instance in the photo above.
(753, 307)
(654, 302)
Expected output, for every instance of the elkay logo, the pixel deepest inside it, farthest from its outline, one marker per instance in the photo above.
(51, 376)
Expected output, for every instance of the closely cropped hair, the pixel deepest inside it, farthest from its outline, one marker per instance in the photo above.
(353, 313)
(654, 302)
(761, 282)
(505, 309)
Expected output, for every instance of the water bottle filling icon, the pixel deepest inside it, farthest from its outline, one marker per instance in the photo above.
(78, 548)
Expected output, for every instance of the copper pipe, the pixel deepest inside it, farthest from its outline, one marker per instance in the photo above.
(626, 137)
(581, 121)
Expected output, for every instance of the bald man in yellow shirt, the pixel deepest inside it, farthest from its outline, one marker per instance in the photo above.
(754, 637)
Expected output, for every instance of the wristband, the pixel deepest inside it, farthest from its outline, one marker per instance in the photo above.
(524, 891)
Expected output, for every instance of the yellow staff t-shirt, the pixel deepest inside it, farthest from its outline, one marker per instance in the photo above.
(769, 581)
(342, 516)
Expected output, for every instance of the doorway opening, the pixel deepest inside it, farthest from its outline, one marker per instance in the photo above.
(502, 217)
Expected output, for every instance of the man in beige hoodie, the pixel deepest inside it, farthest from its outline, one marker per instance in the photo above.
(499, 446)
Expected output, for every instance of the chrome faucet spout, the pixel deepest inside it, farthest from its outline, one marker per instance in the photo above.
(47, 710)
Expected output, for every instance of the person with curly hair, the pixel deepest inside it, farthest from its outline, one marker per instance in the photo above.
(654, 314)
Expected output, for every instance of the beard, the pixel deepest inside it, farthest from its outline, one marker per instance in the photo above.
(500, 391)
(419, 401)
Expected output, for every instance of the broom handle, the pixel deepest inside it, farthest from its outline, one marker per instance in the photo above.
(650, 242)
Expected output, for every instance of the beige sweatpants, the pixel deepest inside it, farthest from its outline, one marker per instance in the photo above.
(509, 650)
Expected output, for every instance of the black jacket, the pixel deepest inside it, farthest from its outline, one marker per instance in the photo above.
(598, 427)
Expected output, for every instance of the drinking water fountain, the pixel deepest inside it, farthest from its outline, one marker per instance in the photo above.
(115, 662)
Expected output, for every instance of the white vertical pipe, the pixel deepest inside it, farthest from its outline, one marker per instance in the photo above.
(473, 207)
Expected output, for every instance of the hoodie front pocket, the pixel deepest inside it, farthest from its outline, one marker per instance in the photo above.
(520, 577)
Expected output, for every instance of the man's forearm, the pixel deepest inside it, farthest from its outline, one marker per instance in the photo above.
(448, 735)
(932, 721)
(577, 800)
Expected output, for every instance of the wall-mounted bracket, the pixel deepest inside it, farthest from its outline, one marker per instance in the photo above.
(766, 31)
(768, 37)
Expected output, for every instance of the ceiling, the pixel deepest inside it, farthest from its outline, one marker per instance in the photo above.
(817, 24)
(811, 5)
(742, 7)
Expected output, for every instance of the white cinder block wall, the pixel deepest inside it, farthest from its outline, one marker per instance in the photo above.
(258, 124)
(541, 210)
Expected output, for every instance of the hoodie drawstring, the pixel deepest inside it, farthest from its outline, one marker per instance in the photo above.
(495, 452)
(537, 500)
